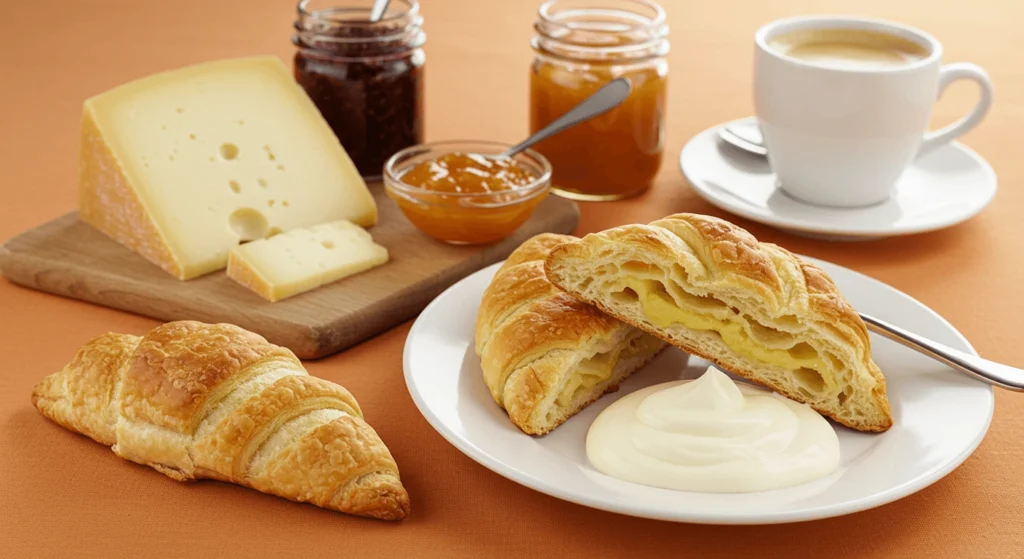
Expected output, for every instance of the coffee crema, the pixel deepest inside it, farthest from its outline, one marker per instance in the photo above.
(848, 48)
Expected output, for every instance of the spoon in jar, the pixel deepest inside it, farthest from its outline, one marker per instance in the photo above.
(601, 101)
(378, 9)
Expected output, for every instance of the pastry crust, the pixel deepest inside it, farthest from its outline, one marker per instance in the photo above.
(197, 401)
(770, 300)
(532, 338)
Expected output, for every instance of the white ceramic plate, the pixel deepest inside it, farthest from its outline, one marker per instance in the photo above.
(942, 189)
(940, 418)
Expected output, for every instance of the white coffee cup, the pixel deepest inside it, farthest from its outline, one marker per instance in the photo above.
(842, 136)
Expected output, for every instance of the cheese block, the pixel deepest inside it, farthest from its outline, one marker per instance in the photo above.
(303, 259)
(183, 166)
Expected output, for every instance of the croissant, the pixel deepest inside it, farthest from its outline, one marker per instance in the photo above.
(214, 401)
(710, 288)
(545, 356)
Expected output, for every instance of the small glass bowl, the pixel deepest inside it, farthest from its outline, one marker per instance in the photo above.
(466, 218)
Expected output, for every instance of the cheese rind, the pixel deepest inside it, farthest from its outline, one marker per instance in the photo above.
(303, 259)
(184, 165)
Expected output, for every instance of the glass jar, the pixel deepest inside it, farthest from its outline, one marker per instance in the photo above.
(581, 45)
(365, 77)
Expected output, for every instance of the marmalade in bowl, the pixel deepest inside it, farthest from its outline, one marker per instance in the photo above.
(467, 198)
(468, 173)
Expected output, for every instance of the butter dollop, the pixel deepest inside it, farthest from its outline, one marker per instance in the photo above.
(712, 435)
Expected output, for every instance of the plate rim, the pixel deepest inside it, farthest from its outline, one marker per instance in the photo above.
(887, 496)
(823, 228)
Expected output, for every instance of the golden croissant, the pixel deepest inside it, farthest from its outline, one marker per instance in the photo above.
(710, 288)
(545, 356)
(214, 401)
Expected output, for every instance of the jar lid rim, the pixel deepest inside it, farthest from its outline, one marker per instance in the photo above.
(656, 21)
(324, 13)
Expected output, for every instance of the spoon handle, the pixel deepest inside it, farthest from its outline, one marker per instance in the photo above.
(603, 100)
(984, 370)
(378, 9)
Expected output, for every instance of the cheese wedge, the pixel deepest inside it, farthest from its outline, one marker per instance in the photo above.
(183, 166)
(303, 259)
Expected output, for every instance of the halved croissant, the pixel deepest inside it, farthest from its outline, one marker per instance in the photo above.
(545, 356)
(214, 401)
(710, 288)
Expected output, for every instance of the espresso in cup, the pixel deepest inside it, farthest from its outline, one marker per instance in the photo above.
(843, 104)
(848, 48)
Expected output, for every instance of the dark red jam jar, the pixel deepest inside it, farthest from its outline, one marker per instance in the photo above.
(365, 77)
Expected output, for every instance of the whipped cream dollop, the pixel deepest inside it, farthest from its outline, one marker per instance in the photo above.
(712, 435)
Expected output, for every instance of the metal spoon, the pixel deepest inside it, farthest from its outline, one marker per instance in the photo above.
(378, 9)
(996, 374)
(603, 100)
(745, 136)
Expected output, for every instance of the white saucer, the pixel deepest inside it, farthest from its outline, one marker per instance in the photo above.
(940, 418)
(942, 189)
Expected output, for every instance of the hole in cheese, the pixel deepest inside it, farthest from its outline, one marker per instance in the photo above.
(273, 231)
(284, 203)
(235, 187)
(262, 182)
(270, 203)
(191, 136)
(228, 151)
(280, 167)
(180, 110)
(248, 224)
(328, 244)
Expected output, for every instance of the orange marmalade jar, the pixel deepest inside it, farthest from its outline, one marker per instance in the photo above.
(581, 45)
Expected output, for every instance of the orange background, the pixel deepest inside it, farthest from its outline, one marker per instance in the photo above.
(61, 494)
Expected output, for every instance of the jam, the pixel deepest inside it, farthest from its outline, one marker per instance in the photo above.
(614, 155)
(468, 173)
(578, 50)
(465, 197)
(366, 78)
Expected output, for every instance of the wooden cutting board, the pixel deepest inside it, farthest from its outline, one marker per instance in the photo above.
(70, 258)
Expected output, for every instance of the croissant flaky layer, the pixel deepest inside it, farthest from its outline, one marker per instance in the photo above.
(214, 401)
(710, 288)
(545, 355)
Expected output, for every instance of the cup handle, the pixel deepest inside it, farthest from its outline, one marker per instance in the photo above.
(947, 75)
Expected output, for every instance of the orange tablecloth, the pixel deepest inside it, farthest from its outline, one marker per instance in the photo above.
(61, 494)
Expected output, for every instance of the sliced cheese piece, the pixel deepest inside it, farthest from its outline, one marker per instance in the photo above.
(183, 166)
(303, 259)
